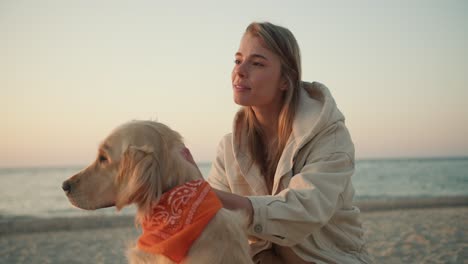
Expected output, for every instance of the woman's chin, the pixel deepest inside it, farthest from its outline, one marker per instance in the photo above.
(241, 101)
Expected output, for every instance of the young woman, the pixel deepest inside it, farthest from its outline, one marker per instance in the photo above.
(289, 160)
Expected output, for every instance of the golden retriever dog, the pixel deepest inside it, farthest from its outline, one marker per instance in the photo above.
(136, 164)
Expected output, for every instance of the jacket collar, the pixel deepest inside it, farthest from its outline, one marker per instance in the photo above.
(308, 110)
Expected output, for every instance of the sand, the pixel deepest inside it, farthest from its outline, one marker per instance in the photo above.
(430, 235)
(437, 235)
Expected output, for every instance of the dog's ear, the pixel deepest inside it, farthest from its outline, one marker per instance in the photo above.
(139, 178)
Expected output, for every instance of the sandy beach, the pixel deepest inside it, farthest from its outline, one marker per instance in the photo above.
(425, 235)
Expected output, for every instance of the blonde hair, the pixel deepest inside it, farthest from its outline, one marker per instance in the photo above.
(280, 41)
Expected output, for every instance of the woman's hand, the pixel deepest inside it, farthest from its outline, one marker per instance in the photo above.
(235, 202)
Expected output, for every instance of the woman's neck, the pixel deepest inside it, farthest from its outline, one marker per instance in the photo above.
(268, 120)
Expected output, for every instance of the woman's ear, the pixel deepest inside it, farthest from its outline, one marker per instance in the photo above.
(139, 178)
(284, 84)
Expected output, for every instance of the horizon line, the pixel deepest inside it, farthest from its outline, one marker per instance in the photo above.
(403, 158)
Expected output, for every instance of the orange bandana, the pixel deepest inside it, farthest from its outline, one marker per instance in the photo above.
(178, 220)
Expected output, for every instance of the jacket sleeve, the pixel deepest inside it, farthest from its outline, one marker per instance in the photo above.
(309, 201)
(217, 176)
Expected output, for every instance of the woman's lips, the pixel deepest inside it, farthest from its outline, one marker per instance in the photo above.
(240, 88)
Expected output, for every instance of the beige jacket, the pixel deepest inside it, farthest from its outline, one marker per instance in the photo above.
(309, 217)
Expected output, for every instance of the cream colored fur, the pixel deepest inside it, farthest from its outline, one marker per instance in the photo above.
(136, 163)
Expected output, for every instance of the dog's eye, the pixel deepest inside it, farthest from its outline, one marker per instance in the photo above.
(102, 158)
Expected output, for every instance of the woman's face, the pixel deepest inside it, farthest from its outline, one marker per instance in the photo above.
(256, 77)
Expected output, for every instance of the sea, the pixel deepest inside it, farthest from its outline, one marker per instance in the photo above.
(37, 192)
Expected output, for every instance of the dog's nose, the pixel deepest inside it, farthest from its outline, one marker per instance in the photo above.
(66, 187)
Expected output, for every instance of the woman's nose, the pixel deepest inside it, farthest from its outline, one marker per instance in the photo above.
(240, 70)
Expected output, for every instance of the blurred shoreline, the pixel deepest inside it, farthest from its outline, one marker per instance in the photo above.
(11, 224)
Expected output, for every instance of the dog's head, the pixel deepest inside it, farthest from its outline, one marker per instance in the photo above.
(135, 164)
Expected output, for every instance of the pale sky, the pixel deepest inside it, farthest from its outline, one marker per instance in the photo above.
(71, 71)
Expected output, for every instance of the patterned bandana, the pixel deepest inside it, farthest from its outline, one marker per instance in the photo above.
(178, 220)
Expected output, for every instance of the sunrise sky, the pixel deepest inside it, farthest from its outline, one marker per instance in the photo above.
(71, 71)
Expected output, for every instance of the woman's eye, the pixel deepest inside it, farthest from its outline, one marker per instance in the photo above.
(257, 64)
(237, 61)
(102, 158)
